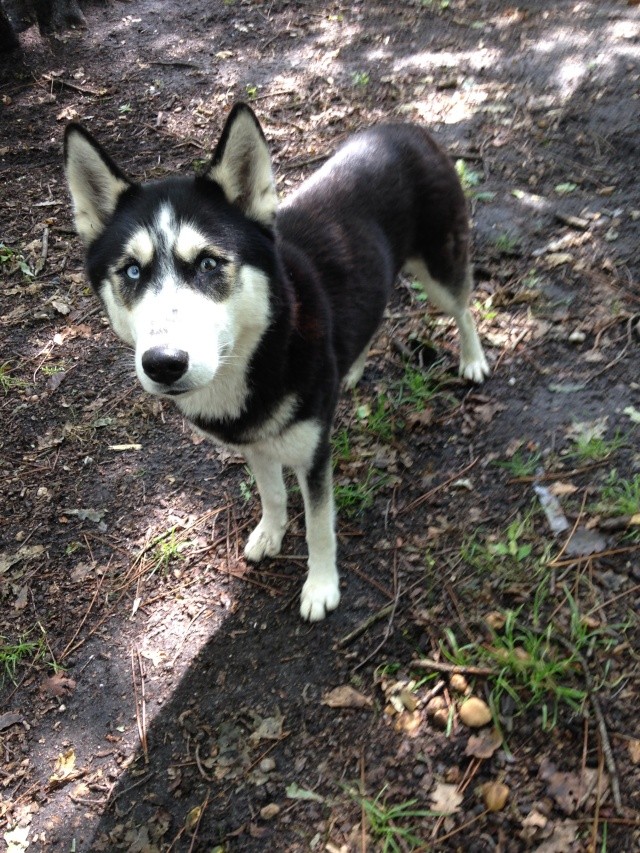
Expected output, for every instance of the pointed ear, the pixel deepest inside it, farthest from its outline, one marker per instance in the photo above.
(241, 165)
(95, 182)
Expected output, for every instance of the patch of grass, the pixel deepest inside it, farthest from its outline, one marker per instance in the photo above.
(532, 669)
(469, 178)
(52, 369)
(393, 825)
(252, 91)
(12, 260)
(379, 420)
(521, 465)
(416, 388)
(507, 552)
(7, 381)
(23, 650)
(341, 445)
(506, 243)
(355, 497)
(361, 79)
(620, 496)
(590, 447)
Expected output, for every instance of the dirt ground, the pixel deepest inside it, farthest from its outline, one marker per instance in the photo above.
(159, 694)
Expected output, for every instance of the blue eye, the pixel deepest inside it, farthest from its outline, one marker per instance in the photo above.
(133, 272)
(207, 264)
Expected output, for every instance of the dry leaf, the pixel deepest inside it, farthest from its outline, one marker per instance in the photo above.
(634, 751)
(485, 744)
(572, 790)
(563, 837)
(445, 799)
(346, 697)
(59, 685)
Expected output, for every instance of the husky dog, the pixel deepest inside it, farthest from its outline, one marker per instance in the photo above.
(250, 314)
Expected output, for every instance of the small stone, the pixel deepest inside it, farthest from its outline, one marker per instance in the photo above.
(270, 811)
(267, 765)
(577, 337)
(475, 713)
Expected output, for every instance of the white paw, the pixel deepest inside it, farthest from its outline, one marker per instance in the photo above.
(475, 370)
(264, 541)
(318, 598)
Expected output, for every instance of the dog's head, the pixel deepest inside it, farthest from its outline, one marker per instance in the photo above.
(181, 264)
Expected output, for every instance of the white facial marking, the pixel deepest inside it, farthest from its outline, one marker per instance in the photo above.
(140, 247)
(190, 242)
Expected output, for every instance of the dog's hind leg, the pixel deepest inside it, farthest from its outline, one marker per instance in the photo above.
(473, 364)
(321, 591)
(266, 539)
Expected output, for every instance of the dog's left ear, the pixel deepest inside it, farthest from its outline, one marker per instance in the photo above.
(241, 165)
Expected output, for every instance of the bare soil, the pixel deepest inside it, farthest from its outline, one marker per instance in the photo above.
(172, 700)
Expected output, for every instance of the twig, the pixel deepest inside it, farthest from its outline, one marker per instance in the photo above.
(605, 743)
(363, 814)
(140, 702)
(363, 626)
(452, 668)
(387, 631)
(436, 489)
(67, 84)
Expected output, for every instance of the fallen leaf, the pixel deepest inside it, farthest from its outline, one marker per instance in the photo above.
(562, 838)
(572, 790)
(59, 685)
(484, 745)
(346, 696)
(295, 792)
(27, 552)
(445, 798)
(65, 766)
(270, 811)
(9, 719)
(193, 819)
(634, 750)
(17, 839)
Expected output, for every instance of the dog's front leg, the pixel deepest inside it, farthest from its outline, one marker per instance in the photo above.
(321, 591)
(266, 539)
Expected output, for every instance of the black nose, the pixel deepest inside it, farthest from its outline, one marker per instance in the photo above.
(165, 365)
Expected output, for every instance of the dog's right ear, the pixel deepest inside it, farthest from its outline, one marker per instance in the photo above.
(95, 182)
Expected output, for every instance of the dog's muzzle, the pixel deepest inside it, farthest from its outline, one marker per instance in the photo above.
(165, 365)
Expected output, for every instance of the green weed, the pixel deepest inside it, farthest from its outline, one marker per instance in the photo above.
(521, 465)
(378, 421)
(469, 178)
(416, 388)
(12, 654)
(11, 261)
(506, 243)
(591, 447)
(361, 79)
(620, 496)
(355, 497)
(393, 826)
(7, 381)
(532, 669)
(341, 445)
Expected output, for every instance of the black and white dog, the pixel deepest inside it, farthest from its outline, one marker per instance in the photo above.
(249, 314)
